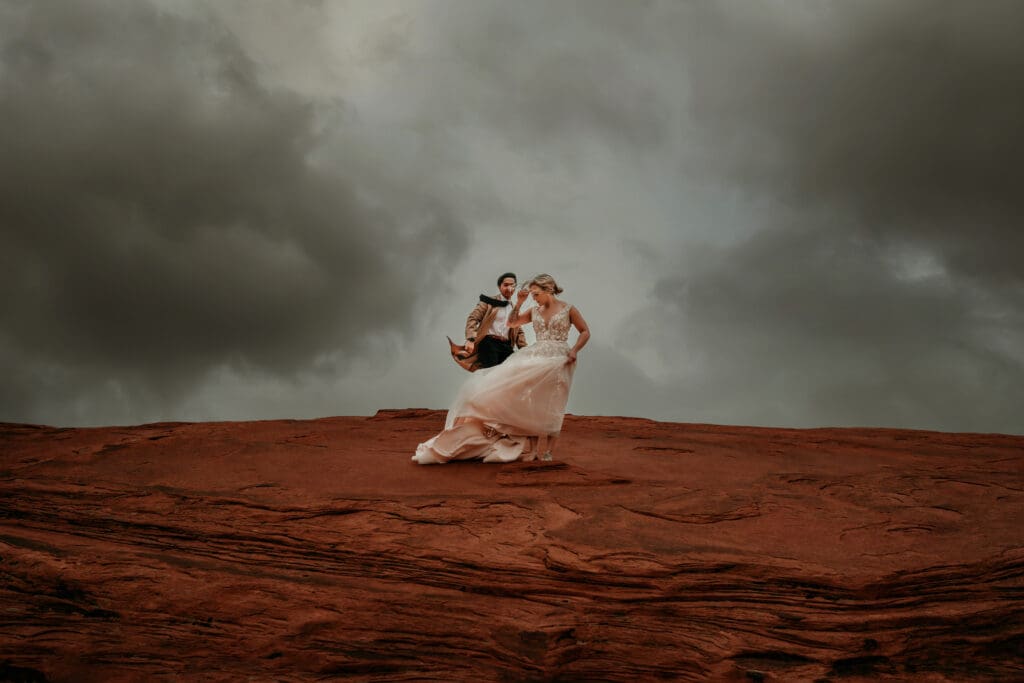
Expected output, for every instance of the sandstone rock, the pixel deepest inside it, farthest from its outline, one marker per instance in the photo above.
(297, 550)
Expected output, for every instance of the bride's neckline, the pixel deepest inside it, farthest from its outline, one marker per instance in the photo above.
(547, 321)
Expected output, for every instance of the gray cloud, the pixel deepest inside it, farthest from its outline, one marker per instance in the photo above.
(885, 285)
(564, 74)
(902, 117)
(163, 214)
(793, 213)
(793, 328)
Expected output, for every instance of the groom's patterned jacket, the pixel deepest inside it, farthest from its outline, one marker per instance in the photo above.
(480, 320)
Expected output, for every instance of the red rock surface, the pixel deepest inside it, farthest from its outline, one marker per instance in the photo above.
(299, 550)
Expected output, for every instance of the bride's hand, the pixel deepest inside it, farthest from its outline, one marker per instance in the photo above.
(521, 296)
(572, 357)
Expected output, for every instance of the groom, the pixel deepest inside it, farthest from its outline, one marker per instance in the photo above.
(487, 331)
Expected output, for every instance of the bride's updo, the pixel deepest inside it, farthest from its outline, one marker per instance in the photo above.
(545, 282)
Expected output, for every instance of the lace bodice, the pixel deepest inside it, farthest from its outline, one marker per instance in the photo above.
(557, 330)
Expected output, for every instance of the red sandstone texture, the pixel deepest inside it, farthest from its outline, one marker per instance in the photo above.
(315, 550)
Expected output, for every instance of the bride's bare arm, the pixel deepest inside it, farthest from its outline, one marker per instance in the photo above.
(517, 319)
(581, 326)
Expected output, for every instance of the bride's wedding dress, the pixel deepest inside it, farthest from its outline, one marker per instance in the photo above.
(499, 408)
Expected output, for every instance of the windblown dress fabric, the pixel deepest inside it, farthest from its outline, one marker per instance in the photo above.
(498, 408)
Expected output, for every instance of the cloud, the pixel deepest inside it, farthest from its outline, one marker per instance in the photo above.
(555, 75)
(165, 213)
(899, 116)
(251, 210)
(884, 285)
(793, 328)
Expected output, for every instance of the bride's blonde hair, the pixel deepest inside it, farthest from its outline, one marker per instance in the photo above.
(545, 282)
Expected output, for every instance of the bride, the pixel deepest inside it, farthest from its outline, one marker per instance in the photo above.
(501, 411)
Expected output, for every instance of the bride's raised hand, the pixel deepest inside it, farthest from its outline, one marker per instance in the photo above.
(521, 296)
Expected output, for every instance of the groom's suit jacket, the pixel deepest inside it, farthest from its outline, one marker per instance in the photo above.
(480, 319)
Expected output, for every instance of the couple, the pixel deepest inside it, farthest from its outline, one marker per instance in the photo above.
(503, 411)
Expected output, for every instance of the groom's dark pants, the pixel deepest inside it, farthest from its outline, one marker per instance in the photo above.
(493, 351)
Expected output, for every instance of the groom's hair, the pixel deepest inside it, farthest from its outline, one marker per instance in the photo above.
(505, 275)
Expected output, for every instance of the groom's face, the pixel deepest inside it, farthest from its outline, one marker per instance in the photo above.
(507, 286)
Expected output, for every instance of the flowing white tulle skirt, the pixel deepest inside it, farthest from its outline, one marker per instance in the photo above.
(499, 408)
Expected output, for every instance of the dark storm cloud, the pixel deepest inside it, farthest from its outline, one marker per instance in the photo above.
(904, 115)
(568, 74)
(887, 286)
(795, 327)
(161, 215)
(213, 200)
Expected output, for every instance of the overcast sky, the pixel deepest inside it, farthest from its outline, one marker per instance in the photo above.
(788, 213)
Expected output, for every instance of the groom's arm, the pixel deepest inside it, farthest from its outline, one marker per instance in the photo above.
(473, 321)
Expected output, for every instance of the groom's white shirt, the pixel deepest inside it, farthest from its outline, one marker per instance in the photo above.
(499, 327)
